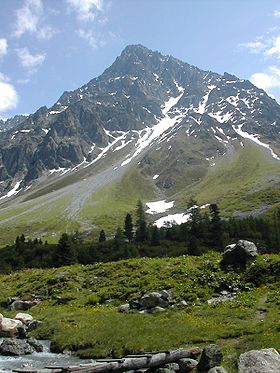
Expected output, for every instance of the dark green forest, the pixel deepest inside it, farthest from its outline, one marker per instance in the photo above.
(204, 231)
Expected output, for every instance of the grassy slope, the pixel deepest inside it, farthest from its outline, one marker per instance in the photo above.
(94, 329)
(106, 209)
(234, 182)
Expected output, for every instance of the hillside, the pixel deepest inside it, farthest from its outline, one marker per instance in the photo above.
(79, 305)
(150, 127)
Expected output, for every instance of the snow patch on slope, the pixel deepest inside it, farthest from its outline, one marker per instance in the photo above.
(13, 191)
(255, 138)
(150, 134)
(159, 207)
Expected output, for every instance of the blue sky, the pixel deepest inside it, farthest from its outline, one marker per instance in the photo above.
(49, 46)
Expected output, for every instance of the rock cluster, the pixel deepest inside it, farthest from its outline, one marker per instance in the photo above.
(266, 360)
(151, 302)
(16, 304)
(16, 331)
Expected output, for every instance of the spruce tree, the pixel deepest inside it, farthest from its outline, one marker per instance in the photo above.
(102, 236)
(155, 236)
(216, 232)
(128, 227)
(141, 224)
(65, 252)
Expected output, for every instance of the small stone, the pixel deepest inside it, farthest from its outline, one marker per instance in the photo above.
(211, 356)
(157, 310)
(186, 365)
(217, 370)
(124, 307)
(25, 318)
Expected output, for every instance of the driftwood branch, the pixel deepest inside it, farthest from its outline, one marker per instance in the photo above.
(135, 362)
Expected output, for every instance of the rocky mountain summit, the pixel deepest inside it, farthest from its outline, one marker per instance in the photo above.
(145, 106)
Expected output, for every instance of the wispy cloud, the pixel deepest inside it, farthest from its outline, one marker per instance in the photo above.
(8, 94)
(3, 47)
(86, 10)
(28, 60)
(29, 19)
(276, 13)
(275, 48)
(91, 38)
(256, 46)
(267, 80)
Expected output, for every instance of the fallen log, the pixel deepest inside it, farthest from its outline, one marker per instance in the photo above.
(135, 363)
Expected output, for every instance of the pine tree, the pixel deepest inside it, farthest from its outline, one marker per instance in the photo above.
(128, 227)
(216, 232)
(65, 253)
(141, 230)
(155, 236)
(102, 236)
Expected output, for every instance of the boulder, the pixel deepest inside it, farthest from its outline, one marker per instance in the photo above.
(9, 327)
(186, 365)
(25, 318)
(217, 370)
(124, 307)
(239, 254)
(38, 347)
(152, 300)
(259, 361)
(15, 347)
(211, 357)
(22, 305)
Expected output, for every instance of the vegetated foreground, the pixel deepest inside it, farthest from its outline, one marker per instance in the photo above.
(79, 305)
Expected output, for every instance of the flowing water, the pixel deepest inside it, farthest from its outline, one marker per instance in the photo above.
(38, 360)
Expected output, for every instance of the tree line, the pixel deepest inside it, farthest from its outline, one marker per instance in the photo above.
(205, 230)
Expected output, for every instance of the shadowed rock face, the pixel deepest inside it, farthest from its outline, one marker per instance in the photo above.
(239, 254)
(213, 111)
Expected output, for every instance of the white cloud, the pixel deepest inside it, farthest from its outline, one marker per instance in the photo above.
(8, 94)
(3, 47)
(255, 47)
(29, 60)
(91, 38)
(86, 10)
(275, 49)
(276, 13)
(29, 19)
(265, 81)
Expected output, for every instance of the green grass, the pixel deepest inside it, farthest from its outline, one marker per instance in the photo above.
(107, 207)
(232, 183)
(90, 324)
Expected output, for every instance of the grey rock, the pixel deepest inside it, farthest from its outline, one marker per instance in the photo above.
(22, 305)
(172, 366)
(211, 356)
(15, 347)
(217, 370)
(38, 347)
(152, 300)
(157, 310)
(135, 305)
(32, 326)
(124, 307)
(186, 365)
(259, 361)
(240, 253)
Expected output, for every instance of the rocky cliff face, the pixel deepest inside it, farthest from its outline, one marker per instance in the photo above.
(144, 104)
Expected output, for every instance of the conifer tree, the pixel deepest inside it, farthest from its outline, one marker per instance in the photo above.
(141, 224)
(65, 253)
(102, 236)
(128, 227)
(155, 236)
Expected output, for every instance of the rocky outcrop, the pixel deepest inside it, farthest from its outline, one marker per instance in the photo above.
(239, 254)
(150, 302)
(22, 305)
(15, 347)
(259, 361)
